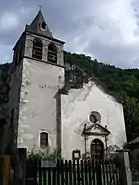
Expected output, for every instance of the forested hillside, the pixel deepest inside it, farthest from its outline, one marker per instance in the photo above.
(4, 90)
(120, 83)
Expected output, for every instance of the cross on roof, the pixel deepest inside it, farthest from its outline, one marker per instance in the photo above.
(40, 7)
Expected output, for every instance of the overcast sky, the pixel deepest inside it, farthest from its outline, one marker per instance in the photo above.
(107, 30)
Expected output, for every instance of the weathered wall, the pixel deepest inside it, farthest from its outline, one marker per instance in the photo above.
(76, 108)
(40, 83)
(45, 41)
(14, 94)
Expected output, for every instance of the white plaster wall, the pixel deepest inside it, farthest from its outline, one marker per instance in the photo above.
(13, 104)
(37, 112)
(77, 106)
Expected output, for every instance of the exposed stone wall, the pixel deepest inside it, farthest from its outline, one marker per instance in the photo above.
(45, 41)
(76, 108)
(40, 83)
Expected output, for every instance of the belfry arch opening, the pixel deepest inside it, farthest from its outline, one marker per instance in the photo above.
(97, 149)
(52, 53)
(37, 49)
(43, 25)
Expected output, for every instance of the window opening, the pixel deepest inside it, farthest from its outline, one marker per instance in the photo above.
(43, 25)
(37, 49)
(43, 139)
(52, 53)
(95, 117)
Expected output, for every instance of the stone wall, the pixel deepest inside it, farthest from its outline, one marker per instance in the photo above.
(45, 41)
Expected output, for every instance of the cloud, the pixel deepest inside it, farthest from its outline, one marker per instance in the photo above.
(5, 54)
(8, 21)
(107, 30)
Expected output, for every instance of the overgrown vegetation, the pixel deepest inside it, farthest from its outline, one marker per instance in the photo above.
(120, 83)
(4, 90)
(43, 154)
(123, 84)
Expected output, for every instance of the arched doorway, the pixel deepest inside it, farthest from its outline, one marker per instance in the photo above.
(97, 149)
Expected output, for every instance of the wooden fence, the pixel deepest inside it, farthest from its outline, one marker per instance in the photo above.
(73, 173)
(134, 165)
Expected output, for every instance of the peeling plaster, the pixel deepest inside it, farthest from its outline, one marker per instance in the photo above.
(38, 105)
(77, 106)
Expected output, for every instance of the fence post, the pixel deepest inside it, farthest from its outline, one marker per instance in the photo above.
(99, 174)
(124, 167)
(22, 155)
(6, 170)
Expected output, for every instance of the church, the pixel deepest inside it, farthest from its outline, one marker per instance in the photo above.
(47, 113)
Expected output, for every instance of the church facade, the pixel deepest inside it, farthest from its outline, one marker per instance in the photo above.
(45, 113)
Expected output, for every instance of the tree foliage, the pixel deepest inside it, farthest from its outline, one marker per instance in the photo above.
(123, 84)
(4, 91)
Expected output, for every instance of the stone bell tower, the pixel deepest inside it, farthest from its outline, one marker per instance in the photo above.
(37, 73)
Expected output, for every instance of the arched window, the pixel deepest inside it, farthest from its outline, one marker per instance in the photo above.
(43, 25)
(43, 139)
(97, 149)
(52, 53)
(37, 49)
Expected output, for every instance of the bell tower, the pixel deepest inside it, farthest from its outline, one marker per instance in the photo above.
(37, 73)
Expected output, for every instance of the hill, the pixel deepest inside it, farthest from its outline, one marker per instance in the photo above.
(123, 84)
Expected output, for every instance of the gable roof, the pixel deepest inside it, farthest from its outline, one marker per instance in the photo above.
(88, 130)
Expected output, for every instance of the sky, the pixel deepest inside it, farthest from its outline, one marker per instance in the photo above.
(107, 30)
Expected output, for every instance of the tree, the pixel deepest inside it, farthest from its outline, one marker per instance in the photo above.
(131, 112)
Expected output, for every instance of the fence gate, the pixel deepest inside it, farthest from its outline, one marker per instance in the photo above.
(74, 173)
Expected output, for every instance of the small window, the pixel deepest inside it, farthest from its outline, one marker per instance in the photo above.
(52, 53)
(43, 25)
(95, 117)
(43, 139)
(37, 49)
